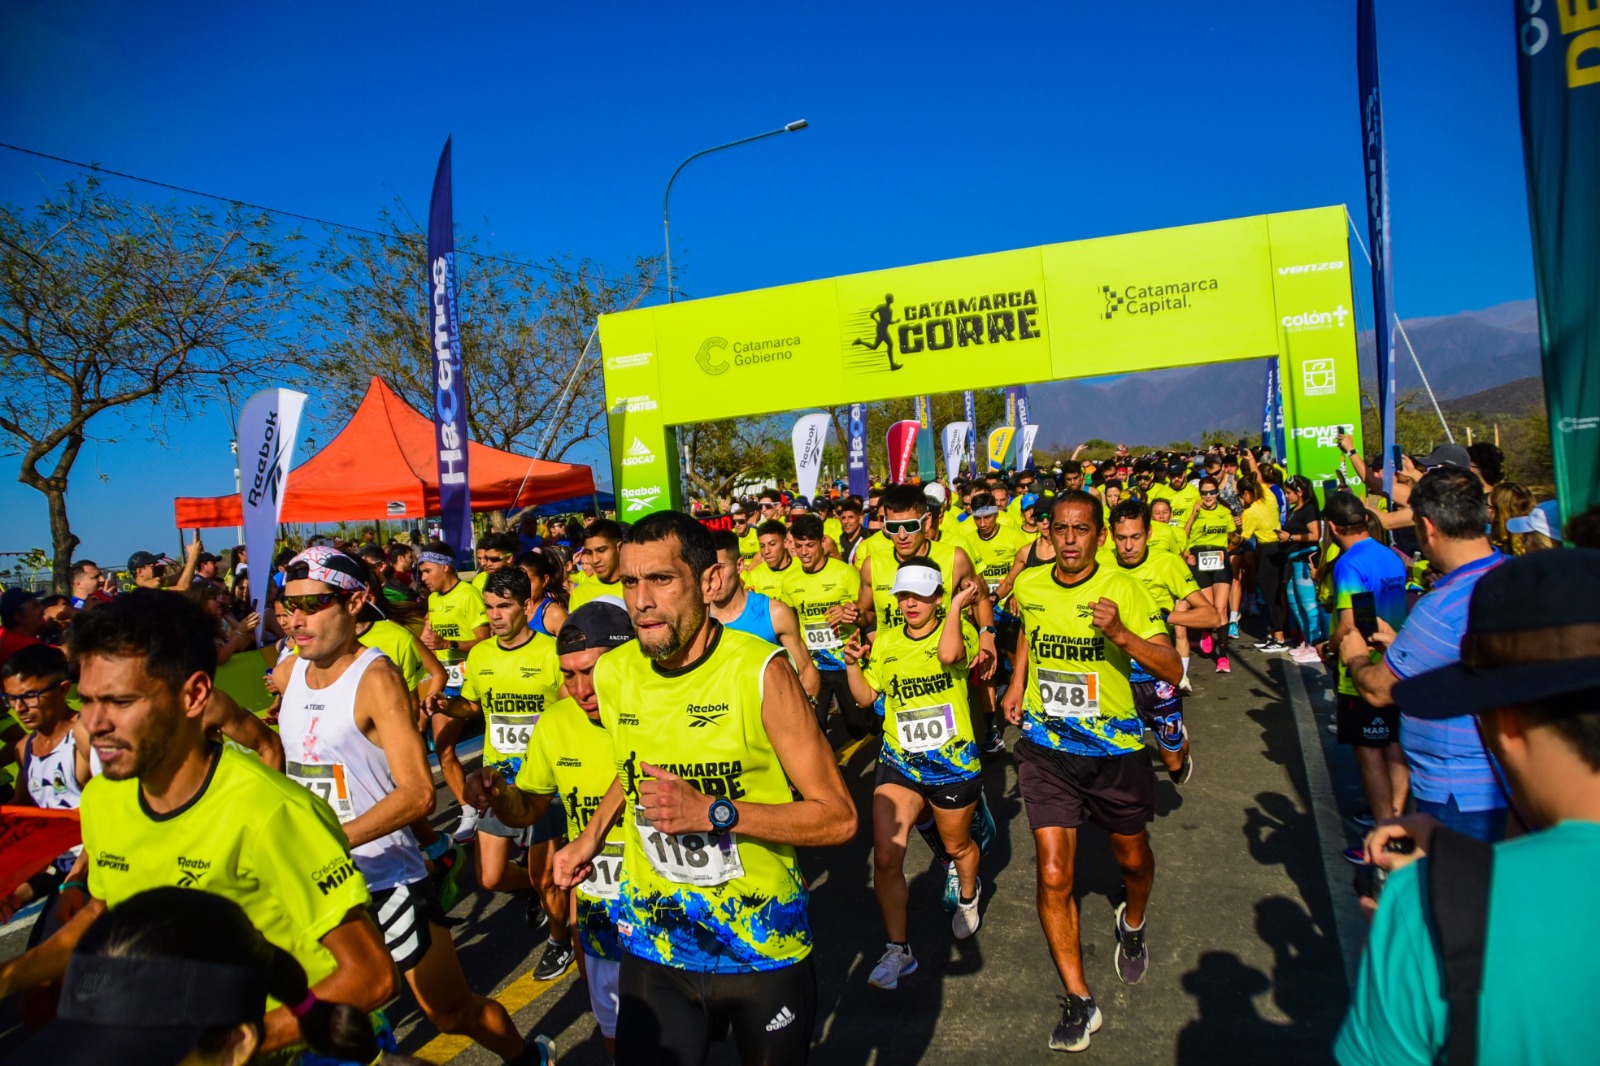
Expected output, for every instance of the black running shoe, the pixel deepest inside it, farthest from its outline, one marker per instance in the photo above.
(553, 963)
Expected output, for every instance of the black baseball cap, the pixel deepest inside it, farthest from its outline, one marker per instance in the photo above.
(139, 560)
(1447, 455)
(1533, 631)
(600, 623)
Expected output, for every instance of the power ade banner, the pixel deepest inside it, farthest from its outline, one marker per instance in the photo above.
(1377, 170)
(858, 451)
(902, 443)
(956, 435)
(1558, 77)
(1025, 447)
(927, 472)
(969, 410)
(810, 432)
(1001, 441)
(267, 428)
(449, 389)
(1219, 291)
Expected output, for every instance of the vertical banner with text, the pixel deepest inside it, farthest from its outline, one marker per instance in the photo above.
(902, 444)
(1269, 390)
(1376, 167)
(859, 482)
(810, 432)
(1558, 80)
(449, 386)
(927, 470)
(956, 435)
(267, 427)
(969, 410)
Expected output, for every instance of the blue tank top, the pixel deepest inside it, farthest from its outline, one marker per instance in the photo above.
(536, 623)
(756, 618)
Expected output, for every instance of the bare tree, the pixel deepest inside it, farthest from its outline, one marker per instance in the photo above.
(110, 304)
(531, 386)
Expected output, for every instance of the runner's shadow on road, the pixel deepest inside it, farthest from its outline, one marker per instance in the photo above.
(1230, 1030)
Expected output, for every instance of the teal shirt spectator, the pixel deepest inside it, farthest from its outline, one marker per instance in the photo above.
(1541, 962)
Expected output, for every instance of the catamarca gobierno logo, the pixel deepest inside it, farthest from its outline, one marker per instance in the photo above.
(711, 361)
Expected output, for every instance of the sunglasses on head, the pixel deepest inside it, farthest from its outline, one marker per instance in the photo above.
(313, 602)
(901, 525)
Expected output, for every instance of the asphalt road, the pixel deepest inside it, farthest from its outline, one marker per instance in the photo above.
(1247, 964)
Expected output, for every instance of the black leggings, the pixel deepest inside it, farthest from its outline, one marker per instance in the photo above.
(1272, 570)
(858, 721)
(668, 1017)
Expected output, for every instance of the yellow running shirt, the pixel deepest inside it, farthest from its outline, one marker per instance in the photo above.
(702, 902)
(885, 566)
(570, 757)
(1260, 520)
(1164, 538)
(831, 527)
(593, 589)
(513, 686)
(1078, 696)
(1211, 529)
(455, 615)
(395, 641)
(992, 558)
(1182, 501)
(927, 725)
(811, 595)
(769, 582)
(250, 835)
(749, 544)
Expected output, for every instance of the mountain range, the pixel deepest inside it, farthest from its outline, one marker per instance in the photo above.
(1463, 354)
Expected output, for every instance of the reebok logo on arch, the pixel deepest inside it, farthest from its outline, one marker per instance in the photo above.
(638, 454)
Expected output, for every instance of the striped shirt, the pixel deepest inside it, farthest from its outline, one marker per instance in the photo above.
(1446, 755)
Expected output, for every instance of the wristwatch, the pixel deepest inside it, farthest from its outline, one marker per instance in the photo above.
(724, 815)
(987, 629)
(451, 645)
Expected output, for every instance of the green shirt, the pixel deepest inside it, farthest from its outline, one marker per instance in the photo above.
(1537, 993)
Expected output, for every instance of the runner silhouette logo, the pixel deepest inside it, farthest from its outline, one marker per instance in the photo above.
(882, 317)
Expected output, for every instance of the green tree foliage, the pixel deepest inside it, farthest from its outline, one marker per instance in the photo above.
(108, 305)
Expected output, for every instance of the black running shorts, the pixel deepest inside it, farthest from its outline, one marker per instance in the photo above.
(402, 913)
(951, 797)
(668, 1017)
(1062, 790)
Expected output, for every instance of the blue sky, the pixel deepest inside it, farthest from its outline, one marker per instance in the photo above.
(937, 130)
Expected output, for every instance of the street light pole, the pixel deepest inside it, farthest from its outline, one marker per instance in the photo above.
(666, 224)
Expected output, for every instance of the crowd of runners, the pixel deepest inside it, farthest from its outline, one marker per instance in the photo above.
(661, 703)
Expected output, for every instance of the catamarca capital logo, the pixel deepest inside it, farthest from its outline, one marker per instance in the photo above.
(1142, 299)
(638, 454)
(1309, 321)
(641, 499)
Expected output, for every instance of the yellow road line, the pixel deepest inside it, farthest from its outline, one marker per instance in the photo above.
(518, 994)
(850, 749)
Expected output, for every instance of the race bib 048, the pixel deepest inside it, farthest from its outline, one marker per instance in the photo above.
(1069, 695)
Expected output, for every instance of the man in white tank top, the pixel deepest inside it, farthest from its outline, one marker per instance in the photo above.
(348, 736)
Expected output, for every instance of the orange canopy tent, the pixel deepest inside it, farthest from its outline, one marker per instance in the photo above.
(383, 465)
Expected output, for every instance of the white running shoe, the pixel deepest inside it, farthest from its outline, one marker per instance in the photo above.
(1306, 655)
(1185, 686)
(467, 828)
(966, 919)
(895, 964)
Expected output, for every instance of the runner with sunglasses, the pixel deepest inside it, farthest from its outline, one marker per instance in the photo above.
(348, 738)
(1211, 532)
(456, 622)
(749, 541)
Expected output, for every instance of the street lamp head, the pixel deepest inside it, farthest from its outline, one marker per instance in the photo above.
(797, 124)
